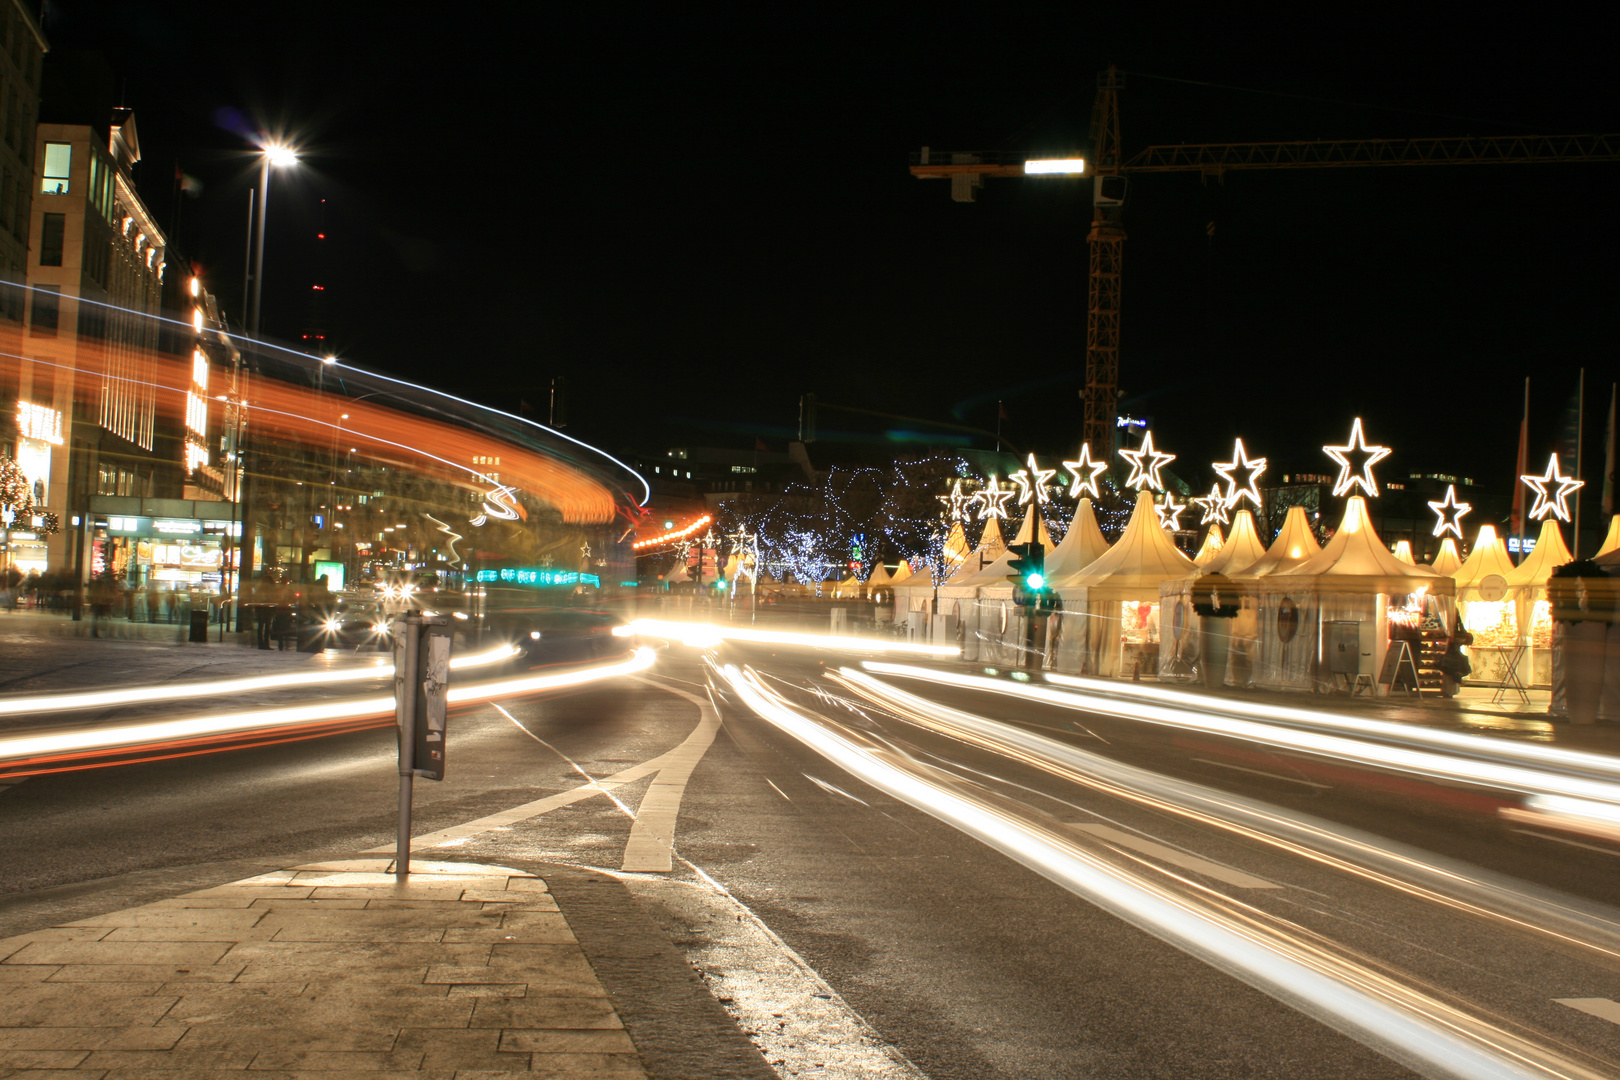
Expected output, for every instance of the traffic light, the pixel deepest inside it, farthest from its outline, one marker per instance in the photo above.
(1027, 570)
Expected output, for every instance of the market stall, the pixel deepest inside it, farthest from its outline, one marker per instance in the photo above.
(1527, 585)
(1184, 629)
(1328, 621)
(993, 626)
(1117, 595)
(1486, 609)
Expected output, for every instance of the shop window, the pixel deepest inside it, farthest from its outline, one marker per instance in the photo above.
(58, 167)
(52, 229)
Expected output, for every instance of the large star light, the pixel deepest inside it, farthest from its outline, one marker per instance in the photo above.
(1145, 464)
(1241, 474)
(1365, 458)
(992, 500)
(1083, 473)
(1032, 483)
(1214, 505)
(1169, 512)
(956, 503)
(1552, 502)
(1448, 513)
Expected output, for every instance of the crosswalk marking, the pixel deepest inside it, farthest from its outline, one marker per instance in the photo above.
(1602, 1008)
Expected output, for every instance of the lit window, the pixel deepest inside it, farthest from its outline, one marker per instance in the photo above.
(58, 167)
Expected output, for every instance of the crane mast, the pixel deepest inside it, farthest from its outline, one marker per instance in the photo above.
(1107, 242)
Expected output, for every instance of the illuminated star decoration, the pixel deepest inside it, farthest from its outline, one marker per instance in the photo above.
(956, 503)
(1083, 473)
(1249, 468)
(1214, 505)
(1449, 512)
(1033, 488)
(1169, 512)
(1551, 502)
(992, 500)
(1360, 473)
(1145, 473)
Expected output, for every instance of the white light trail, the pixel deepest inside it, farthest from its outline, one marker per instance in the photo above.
(142, 695)
(134, 735)
(702, 635)
(1398, 1020)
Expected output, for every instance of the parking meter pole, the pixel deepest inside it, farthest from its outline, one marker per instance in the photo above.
(407, 640)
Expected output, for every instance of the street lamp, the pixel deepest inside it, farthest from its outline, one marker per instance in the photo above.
(278, 155)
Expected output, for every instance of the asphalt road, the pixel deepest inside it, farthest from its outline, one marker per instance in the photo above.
(971, 963)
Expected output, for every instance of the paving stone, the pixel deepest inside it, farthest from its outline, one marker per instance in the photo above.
(409, 892)
(142, 1037)
(560, 1041)
(489, 990)
(277, 903)
(479, 1061)
(10, 947)
(143, 973)
(179, 954)
(374, 1038)
(248, 892)
(546, 1012)
(386, 903)
(58, 1074)
(190, 933)
(346, 1064)
(10, 973)
(204, 902)
(168, 1059)
(283, 960)
(531, 901)
(179, 918)
(41, 1059)
(526, 884)
(585, 1067)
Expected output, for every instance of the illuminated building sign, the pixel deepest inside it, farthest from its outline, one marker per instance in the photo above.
(39, 422)
(176, 527)
(539, 578)
(1129, 422)
(1525, 547)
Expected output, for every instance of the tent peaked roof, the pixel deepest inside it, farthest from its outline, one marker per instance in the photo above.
(1024, 530)
(991, 547)
(1356, 558)
(1446, 560)
(1211, 546)
(1241, 549)
(901, 572)
(1295, 545)
(1549, 554)
(956, 545)
(1612, 541)
(1081, 545)
(1144, 556)
(1403, 552)
(878, 576)
(1488, 557)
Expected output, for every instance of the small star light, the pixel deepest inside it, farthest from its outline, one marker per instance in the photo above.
(1449, 512)
(1083, 473)
(1169, 512)
(1249, 469)
(1146, 473)
(992, 500)
(1035, 488)
(1367, 457)
(956, 503)
(1214, 505)
(1551, 502)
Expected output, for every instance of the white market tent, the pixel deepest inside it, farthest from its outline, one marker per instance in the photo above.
(1185, 628)
(994, 625)
(1485, 606)
(1295, 544)
(901, 573)
(1446, 561)
(1081, 545)
(1528, 585)
(1403, 552)
(1211, 545)
(1612, 541)
(879, 577)
(1353, 579)
(1110, 619)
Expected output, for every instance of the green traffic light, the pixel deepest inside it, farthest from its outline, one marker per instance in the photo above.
(1036, 582)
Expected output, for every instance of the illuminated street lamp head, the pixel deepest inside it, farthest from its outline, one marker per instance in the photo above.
(280, 155)
(328, 359)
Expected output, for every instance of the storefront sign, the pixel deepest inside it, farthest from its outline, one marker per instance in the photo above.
(539, 578)
(132, 525)
(176, 526)
(39, 422)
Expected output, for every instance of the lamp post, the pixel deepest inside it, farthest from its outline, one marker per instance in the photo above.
(278, 155)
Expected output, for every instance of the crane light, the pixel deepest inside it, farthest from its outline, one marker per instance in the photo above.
(1055, 167)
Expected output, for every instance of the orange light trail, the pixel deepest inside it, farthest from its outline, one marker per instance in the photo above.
(678, 534)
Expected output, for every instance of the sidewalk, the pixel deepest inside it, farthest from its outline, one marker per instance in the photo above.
(334, 969)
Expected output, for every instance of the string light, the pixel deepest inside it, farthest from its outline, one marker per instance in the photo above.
(678, 534)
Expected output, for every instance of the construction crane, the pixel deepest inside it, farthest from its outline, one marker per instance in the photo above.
(1110, 169)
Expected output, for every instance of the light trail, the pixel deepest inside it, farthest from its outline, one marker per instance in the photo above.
(1398, 1020)
(142, 695)
(1483, 766)
(59, 747)
(704, 635)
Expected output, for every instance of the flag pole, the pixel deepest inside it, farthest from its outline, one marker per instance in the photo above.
(1580, 445)
(1518, 485)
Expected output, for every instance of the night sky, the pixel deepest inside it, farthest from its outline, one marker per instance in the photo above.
(697, 218)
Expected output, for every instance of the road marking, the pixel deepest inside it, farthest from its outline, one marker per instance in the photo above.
(651, 847)
(778, 790)
(1174, 856)
(1261, 772)
(679, 758)
(1602, 1008)
(1565, 840)
(833, 789)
